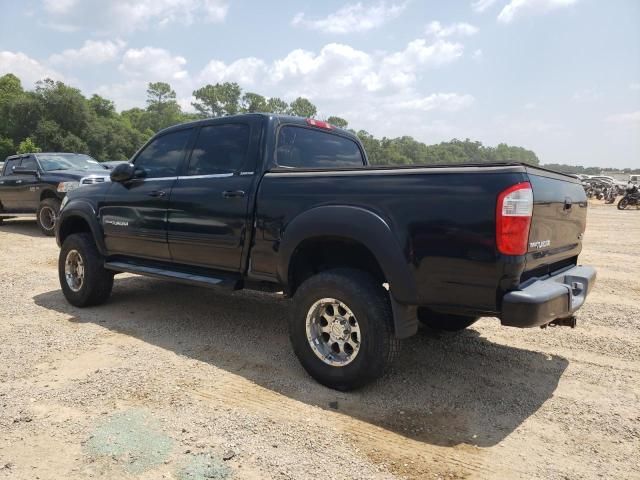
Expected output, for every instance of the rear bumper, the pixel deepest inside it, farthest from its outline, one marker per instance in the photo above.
(545, 300)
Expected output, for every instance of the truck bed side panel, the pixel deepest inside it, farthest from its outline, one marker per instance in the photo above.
(444, 221)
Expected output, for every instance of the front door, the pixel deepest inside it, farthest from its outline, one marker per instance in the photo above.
(134, 213)
(209, 204)
(27, 186)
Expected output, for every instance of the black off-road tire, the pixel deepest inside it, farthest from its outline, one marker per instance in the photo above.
(98, 281)
(47, 207)
(441, 322)
(369, 302)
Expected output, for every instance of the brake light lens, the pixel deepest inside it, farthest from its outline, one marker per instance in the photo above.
(513, 219)
(319, 123)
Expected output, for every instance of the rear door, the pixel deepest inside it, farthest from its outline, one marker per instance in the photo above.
(558, 222)
(208, 212)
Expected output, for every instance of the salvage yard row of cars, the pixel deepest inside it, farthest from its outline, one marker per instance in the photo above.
(291, 204)
(36, 183)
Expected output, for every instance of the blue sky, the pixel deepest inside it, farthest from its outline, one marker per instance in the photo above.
(561, 77)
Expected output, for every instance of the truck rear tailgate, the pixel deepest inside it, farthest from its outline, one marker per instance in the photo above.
(558, 222)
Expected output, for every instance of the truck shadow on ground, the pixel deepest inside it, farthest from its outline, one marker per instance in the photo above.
(447, 390)
(26, 227)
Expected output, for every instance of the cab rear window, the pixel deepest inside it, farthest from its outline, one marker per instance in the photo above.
(300, 147)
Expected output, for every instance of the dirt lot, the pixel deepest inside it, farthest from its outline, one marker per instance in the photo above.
(169, 381)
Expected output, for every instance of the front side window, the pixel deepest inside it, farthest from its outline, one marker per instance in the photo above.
(29, 163)
(162, 157)
(219, 149)
(300, 147)
(51, 162)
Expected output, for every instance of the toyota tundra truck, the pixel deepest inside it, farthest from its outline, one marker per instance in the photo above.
(365, 252)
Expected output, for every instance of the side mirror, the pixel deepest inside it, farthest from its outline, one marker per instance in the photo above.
(25, 171)
(122, 172)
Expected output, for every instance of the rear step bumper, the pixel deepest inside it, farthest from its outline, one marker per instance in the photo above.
(543, 301)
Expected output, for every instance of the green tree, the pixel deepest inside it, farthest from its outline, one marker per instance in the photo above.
(162, 108)
(253, 102)
(102, 107)
(301, 107)
(28, 146)
(338, 122)
(218, 100)
(6, 148)
(277, 105)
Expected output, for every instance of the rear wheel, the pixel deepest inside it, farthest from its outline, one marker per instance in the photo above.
(444, 322)
(622, 204)
(47, 215)
(83, 278)
(341, 328)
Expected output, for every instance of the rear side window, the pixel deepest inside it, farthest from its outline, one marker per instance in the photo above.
(300, 147)
(9, 166)
(219, 149)
(162, 157)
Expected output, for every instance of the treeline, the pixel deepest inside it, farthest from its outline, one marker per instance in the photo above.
(58, 117)
(561, 167)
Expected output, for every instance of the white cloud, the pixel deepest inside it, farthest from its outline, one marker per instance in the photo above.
(129, 15)
(447, 102)
(517, 8)
(378, 91)
(153, 64)
(530, 106)
(92, 52)
(632, 118)
(634, 86)
(25, 68)
(477, 55)
(352, 18)
(482, 5)
(245, 71)
(462, 29)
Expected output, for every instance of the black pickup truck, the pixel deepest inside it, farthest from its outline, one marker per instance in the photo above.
(36, 183)
(267, 201)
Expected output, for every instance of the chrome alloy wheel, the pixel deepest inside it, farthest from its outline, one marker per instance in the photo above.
(74, 270)
(47, 218)
(333, 332)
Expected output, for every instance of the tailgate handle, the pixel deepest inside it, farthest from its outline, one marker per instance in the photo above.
(567, 203)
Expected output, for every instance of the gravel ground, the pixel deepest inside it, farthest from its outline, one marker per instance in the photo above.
(169, 381)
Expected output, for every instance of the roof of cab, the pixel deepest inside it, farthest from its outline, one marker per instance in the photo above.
(279, 118)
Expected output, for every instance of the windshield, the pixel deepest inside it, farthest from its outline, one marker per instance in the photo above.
(72, 161)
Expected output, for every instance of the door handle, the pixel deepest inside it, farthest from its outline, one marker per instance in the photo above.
(233, 194)
(157, 193)
(18, 181)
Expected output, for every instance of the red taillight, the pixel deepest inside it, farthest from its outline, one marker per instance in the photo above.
(513, 219)
(319, 123)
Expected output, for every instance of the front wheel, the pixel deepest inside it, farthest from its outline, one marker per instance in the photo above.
(444, 322)
(341, 328)
(47, 215)
(83, 278)
(622, 204)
